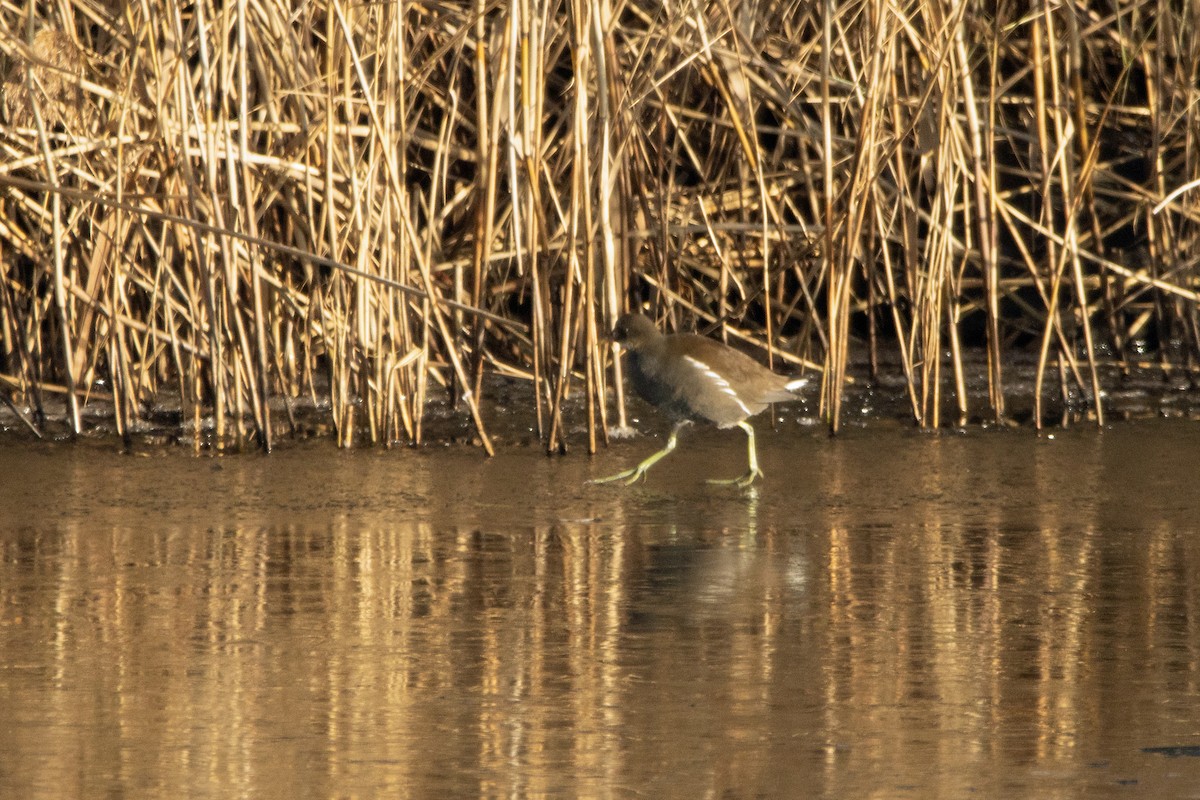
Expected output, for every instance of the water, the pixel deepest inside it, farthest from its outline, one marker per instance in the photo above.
(889, 614)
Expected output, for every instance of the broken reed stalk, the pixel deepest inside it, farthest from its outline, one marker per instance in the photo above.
(340, 204)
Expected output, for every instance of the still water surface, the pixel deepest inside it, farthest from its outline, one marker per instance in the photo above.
(889, 615)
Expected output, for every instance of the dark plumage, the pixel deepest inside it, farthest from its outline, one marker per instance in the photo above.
(692, 378)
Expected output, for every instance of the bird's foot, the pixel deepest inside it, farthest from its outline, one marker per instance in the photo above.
(628, 476)
(741, 482)
(631, 475)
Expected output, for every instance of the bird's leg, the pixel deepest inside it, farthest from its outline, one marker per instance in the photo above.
(631, 475)
(754, 471)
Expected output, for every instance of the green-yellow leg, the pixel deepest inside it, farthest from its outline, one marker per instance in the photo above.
(754, 472)
(631, 475)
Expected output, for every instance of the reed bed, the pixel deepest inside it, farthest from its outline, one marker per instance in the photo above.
(234, 208)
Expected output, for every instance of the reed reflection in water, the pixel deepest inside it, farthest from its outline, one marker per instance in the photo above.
(888, 615)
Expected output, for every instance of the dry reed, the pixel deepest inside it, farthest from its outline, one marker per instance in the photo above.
(239, 205)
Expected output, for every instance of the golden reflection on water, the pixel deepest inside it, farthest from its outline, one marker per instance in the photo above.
(922, 617)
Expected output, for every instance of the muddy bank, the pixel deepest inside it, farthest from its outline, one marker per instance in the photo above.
(1139, 393)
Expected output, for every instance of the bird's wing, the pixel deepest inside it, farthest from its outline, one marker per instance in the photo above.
(705, 377)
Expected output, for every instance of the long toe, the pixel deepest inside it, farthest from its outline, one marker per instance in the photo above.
(628, 476)
(749, 478)
(631, 474)
(741, 482)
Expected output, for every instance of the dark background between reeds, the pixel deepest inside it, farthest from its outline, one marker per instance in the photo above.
(219, 211)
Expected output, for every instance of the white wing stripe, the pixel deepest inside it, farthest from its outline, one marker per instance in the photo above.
(721, 383)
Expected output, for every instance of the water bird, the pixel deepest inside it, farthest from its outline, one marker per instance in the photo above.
(691, 379)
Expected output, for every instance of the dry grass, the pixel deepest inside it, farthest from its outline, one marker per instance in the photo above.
(233, 203)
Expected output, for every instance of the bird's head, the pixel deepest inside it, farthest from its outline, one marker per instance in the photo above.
(634, 331)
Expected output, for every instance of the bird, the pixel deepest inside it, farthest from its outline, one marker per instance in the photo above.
(695, 379)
